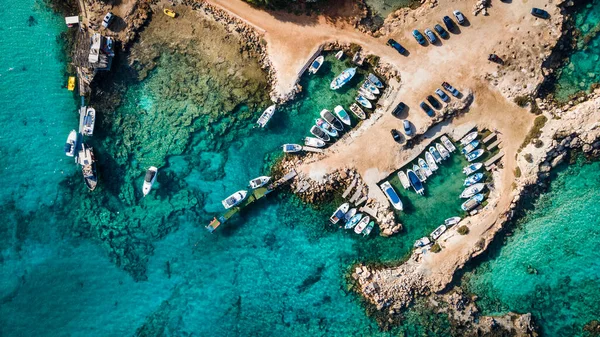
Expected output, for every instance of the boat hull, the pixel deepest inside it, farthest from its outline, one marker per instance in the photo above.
(317, 132)
(342, 78)
(432, 164)
(364, 102)
(358, 111)
(342, 115)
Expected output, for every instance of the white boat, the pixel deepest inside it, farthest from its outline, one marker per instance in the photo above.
(473, 202)
(339, 54)
(472, 190)
(353, 221)
(342, 115)
(314, 142)
(332, 120)
(436, 155)
(452, 221)
(474, 155)
(317, 63)
(419, 173)
(362, 224)
(438, 232)
(472, 179)
(363, 101)
(422, 242)
(291, 148)
(392, 196)
(317, 132)
(442, 150)
(88, 166)
(415, 182)
(349, 214)
(366, 93)
(472, 168)
(266, 116)
(370, 87)
(234, 199)
(468, 138)
(339, 213)
(448, 144)
(88, 120)
(404, 180)
(259, 182)
(432, 164)
(375, 80)
(424, 167)
(470, 147)
(326, 127)
(149, 179)
(358, 111)
(342, 78)
(71, 144)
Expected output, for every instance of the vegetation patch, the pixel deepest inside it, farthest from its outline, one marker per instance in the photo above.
(435, 248)
(535, 131)
(463, 230)
(517, 172)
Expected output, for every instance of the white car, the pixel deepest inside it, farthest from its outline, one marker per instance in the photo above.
(459, 17)
(108, 18)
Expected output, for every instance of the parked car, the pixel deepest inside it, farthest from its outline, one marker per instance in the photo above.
(459, 17)
(108, 19)
(419, 37)
(540, 13)
(392, 43)
(428, 110)
(398, 109)
(442, 95)
(407, 127)
(397, 135)
(441, 31)
(495, 58)
(430, 36)
(450, 89)
(434, 102)
(449, 23)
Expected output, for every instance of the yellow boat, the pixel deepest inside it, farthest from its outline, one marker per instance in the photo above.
(71, 83)
(169, 12)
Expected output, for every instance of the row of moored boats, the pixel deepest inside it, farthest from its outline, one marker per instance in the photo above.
(351, 218)
(474, 182)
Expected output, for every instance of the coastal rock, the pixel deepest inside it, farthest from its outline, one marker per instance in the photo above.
(558, 160)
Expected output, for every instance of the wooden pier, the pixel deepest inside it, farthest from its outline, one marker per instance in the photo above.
(492, 160)
(312, 149)
(489, 138)
(494, 145)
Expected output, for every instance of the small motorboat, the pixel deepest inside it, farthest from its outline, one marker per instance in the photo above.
(234, 199)
(470, 147)
(473, 179)
(326, 127)
(332, 120)
(369, 228)
(472, 190)
(317, 132)
(448, 144)
(339, 54)
(363, 101)
(438, 232)
(339, 213)
(366, 93)
(349, 214)
(71, 144)
(442, 150)
(370, 87)
(404, 180)
(436, 155)
(342, 78)
(362, 224)
(292, 148)
(422, 177)
(266, 116)
(473, 202)
(424, 167)
(468, 138)
(422, 242)
(375, 80)
(71, 83)
(169, 12)
(431, 162)
(342, 115)
(358, 111)
(314, 142)
(415, 182)
(88, 166)
(149, 179)
(87, 121)
(316, 65)
(259, 182)
(474, 155)
(392, 196)
(353, 221)
(452, 221)
(472, 168)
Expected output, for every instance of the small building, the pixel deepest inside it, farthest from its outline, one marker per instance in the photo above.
(72, 20)
(101, 52)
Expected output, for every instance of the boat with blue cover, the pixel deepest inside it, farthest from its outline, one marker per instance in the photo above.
(353, 221)
(422, 242)
(472, 168)
(375, 80)
(349, 214)
(363, 101)
(342, 78)
(392, 196)
(436, 155)
(415, 182)
(473, 202)
(316, 65)
(474, 155)
(326, 127)
(424, 167)
(370, 87)
(339, 213)
(291, 148)
(470, 147)
(473, 179)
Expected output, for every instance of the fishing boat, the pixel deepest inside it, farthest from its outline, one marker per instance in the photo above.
(442, 150)
(339, 54)
(473, 202)
(234, 199)
(169, 12)
(473, 179)
(472, 190)
(448, 144)
(357, 111)
(332, 120)
(438, 232)
(88, 166)
(259, 182)
(404, 180)
(342, 78)
(339, 213)
(415, 182)
(71, 144)
(418, 173)
(149, 179)
(349, 214)
(422, 242)
(370, 87)
(71, 83)
(470, 147)
(468, 138)
(375, 80)
(317, 132)
(266, 116)
(369, 228)
(88, 120)
(342, 115)
(291, 148)
(431, 162)
(317, 63)
(392, 196)
(424, 167)
(366, 93)
(452, 221)
(474, 155)
(472, 168)
(353, 221)
(326, 127)
(314, 142)
(362, 224)
(363, 101)
(436, 155)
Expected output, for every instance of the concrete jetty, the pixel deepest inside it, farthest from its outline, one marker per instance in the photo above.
(492, 160)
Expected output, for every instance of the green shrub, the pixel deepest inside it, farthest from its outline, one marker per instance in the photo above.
(535, 131)
(528, 157)
(522, 101)
(517, 172)
(463, 230)
(436, 248)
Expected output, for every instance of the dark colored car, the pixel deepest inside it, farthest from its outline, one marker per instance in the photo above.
(495, 58)
(449, 23)
(428, 110)
(398, 109)
(540, 13)
(434, 102)
(441, 31)
(419, 37)
(392, 43)
(397, 136)
(407, 127)
(450, 89)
